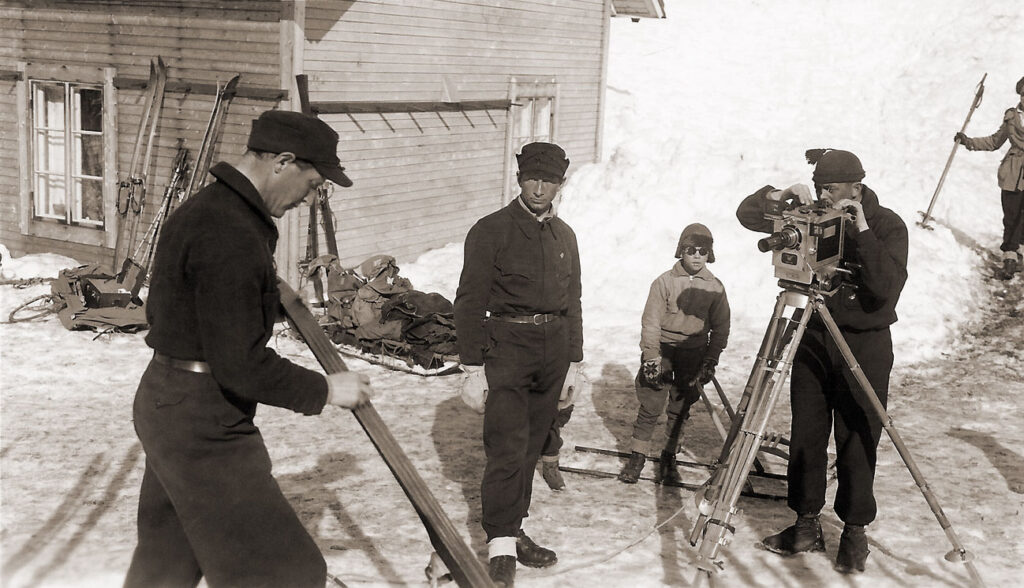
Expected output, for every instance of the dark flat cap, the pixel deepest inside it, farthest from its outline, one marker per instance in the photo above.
(545, 160)
(306, 136)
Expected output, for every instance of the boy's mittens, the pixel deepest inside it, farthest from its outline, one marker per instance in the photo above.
(650, 374)
(707, 370)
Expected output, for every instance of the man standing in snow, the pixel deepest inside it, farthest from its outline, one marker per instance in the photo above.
(209, 505)
(519, 325)
(823, 392)
(684, 328)
(1011, 179)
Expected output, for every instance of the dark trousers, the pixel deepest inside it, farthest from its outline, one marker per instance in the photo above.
(209, 505)
(553, 444)
(1013, 220)
(825, 398)
(525, 367)
(679, 366)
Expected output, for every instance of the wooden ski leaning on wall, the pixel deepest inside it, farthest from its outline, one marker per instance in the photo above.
(320, 208)
(214, 129)
(131, 196)
(465, 567)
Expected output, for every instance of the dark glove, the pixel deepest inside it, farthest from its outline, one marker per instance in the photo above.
(960, 138)
(707, 370)
(650, 374)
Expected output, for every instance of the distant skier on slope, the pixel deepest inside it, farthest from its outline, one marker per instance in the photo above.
(1011, 179)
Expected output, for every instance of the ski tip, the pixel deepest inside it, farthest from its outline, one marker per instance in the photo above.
(232, 84)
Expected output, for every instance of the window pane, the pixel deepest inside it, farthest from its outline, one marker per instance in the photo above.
(90, 109)
(50, 191)
(90, 198)
(90, 155)
(543, 128)
(50, 151)
(525, 127)
(49, 105)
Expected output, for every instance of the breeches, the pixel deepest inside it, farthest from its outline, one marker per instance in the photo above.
(675, 398)
(209, 505)
(1013, 220)
(826, 398)
(525, 367)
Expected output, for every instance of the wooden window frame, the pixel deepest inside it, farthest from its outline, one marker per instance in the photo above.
(33, 225)
(525, 93)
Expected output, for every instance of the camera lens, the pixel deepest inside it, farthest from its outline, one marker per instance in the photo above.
(787, 238)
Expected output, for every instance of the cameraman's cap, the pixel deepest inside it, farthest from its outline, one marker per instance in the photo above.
(835, 166)
(544, 160)
(308, 137)
(699, 236)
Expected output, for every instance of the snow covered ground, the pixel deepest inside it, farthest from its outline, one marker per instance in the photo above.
(704, 108)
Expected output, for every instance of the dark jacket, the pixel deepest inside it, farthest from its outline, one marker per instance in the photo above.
(517, 265)
(868, 300)
(1011, 170)
(213, 296)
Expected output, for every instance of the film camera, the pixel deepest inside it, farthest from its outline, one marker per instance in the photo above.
(807, 242)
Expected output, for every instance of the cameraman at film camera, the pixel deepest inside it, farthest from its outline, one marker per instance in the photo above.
(824, 395)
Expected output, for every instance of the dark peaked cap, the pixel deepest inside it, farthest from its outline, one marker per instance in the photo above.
(546, 160)
(308, 137)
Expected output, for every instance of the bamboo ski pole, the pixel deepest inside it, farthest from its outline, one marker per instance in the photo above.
(927, 215)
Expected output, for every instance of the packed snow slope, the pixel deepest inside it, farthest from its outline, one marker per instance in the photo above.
(721, 98)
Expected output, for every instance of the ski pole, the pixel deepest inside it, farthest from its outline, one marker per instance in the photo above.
(925, 216)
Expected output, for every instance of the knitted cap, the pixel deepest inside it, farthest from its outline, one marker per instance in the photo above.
(699, 236)
(834, 166)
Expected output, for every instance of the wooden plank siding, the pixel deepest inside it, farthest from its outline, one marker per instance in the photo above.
(200, 41)
(422, 179)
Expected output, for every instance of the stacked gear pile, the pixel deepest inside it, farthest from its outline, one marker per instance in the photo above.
(86, 297)
(373, 309)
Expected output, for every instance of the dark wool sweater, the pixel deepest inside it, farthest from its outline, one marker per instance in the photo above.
(869, 301)
(517, 265)
(213, 296)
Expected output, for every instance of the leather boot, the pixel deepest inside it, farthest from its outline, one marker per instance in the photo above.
(667, 471)
(853, 550)
(805, 535)
(549, 470)
(631, 472)
(502, 570)
(532, 555)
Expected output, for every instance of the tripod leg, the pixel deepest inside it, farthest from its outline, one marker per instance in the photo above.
(959, 553)
(715, 419)
(775, 325)
(717, 506)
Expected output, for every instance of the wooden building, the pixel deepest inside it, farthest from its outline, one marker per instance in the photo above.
(432, 99)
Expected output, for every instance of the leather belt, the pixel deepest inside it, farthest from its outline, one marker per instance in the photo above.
(199, 367)
(525, 319)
